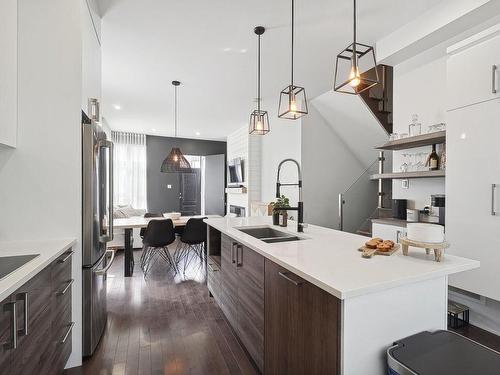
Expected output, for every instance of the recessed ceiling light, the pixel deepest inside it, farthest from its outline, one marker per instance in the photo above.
(227, 49)
(244, 50)
(198, 133)
(117, 107)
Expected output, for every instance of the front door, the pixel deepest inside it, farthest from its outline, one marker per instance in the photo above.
(190, 193)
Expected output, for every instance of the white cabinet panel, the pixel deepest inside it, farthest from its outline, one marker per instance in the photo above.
(473, 165)
(8, 72)
(91, 56)
(388, 232)
(470, 74)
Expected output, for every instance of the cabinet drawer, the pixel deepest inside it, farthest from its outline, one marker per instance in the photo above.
(61, 268)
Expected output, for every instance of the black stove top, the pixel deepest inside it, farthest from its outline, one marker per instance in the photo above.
(12, 263)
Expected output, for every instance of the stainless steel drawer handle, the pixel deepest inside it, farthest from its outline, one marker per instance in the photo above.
(493, 79)
(66, 288)
(70, 328)
(66, 257)
(232, 252)
(24, 297)
(286, 277)
(239, 256)
(493, 200)
(14, 325)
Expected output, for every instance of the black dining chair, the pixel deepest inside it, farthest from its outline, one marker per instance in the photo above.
(159, 234)
(192, 238)
(146, 216)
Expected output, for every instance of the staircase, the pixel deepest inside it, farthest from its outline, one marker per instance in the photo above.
(353, 218)
(378, 99)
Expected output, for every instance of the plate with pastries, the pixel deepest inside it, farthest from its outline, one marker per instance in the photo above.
(378, 246)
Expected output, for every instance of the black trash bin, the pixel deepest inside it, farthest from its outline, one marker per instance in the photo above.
(441, 353)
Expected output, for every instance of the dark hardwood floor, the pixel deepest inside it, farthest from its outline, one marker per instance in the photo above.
(480, 335)
(164, 324)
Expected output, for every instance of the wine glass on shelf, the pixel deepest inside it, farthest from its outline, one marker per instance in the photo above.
(404, 165)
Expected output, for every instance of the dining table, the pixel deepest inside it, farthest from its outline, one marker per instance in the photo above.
(128, 224)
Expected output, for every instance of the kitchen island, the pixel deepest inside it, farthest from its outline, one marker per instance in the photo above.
(316, 302)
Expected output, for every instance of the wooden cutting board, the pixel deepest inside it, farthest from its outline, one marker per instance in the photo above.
(368, 253)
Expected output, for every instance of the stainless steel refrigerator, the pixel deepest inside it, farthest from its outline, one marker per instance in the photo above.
(97, 160)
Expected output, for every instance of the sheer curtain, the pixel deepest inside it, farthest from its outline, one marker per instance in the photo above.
(129, 169)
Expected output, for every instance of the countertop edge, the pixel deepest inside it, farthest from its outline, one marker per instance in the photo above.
(378, 287)
(17, 281)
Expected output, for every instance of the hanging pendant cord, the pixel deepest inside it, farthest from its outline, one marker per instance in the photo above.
(258, 78)
(293, 35)
(355, 55)
(175, 110)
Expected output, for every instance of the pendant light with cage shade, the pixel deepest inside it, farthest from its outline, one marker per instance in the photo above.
(356, 66)
(293, 99)
(175, 162)
(259, 119)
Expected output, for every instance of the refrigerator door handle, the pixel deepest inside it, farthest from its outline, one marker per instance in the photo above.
(109, 192)
(105, 269)
(493, 206)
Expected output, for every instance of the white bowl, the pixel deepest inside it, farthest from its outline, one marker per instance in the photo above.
(173, 215)
(423, 232)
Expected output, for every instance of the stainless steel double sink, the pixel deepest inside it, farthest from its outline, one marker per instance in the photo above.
(269, 235)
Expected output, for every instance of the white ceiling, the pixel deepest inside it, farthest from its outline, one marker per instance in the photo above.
(149, 43)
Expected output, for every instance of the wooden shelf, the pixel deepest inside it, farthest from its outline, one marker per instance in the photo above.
(408, 175)
(417, 141)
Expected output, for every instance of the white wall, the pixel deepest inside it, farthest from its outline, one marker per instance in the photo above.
(419, 88)
(329, 167)
(282, 142)
(91, 45)
(40, 189)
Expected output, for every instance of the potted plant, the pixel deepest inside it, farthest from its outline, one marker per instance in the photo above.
(280, 214)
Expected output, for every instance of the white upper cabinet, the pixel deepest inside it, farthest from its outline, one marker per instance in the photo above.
(8, 73)
(473, 71)
(91, 54)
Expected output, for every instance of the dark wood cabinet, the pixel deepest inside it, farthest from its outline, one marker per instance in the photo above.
(32, 342)
(302, 325)
(242, 295)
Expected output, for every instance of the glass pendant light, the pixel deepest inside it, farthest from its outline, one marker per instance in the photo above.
(259, 119)
(293, 100)
(356, 67)
(175, 162)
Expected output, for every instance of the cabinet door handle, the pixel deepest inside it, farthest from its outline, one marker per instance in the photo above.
(14, 325)
(24, 297)
(239, 259)
(286, 277)
(232, 252)
(66, 257)
(493, 191)
(62, 292)
(68, 332)
(493, 79)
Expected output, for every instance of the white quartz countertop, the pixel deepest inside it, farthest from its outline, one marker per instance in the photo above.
(49, 251)
(330, 258)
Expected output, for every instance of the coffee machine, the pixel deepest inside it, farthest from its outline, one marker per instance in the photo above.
(438, 202)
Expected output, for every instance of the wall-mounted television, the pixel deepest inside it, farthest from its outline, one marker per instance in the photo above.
(235, 167)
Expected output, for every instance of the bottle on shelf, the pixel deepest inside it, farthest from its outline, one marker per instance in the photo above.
(433, 160)
(415, 127)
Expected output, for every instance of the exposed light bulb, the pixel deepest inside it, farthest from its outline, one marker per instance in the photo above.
(176, 158)
(260, 125)
(293, 103)
(354, 77)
